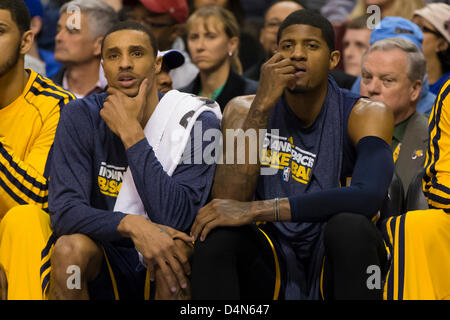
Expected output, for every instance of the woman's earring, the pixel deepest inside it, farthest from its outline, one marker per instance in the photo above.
(230, 53)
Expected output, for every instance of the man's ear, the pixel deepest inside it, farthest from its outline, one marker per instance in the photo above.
(158, 65)
(27, 42)
(335, 57)
(416, 89)
(98, 46)
(442, 45)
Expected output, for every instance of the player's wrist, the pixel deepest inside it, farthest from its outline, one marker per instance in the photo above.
(131, 134)
(262, 210)
(272, 210)
(127, 228)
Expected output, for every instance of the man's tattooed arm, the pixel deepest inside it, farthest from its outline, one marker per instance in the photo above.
(235, 180)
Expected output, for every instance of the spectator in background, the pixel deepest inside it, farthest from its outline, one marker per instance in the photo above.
(356, 42)
(50, 21)
(165, 19)
(235, 6)
(78, 47)
(392, 73)
(40, 60)
(434, 20)
(397, 27)
(171, 59)
(273, 18)
(250, 49)
(393, 8)
(213, 41)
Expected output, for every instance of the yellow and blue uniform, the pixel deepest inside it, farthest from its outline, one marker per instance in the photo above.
(420, 240)
(27, 131)
(87, 170)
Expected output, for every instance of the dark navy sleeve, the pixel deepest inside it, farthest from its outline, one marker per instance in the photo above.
(372, 175)
(71, 181)
(175, 200)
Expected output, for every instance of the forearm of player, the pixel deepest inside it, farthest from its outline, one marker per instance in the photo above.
(237, 180)
(259, 113)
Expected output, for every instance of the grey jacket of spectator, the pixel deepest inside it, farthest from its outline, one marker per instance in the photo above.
(413, 150)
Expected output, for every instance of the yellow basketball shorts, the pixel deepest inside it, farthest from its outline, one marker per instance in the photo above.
(419, 242)
(24, 232)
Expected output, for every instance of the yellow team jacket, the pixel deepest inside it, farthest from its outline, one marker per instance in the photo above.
(27, 131)
(436, 182)
(419, 241)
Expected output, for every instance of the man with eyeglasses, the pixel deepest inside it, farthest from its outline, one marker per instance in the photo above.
(165, 19)
(273, 18)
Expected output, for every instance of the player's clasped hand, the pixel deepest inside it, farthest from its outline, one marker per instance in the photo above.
(221, 213)
(157, 245)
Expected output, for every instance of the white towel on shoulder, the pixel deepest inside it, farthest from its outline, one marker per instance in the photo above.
(167, 131)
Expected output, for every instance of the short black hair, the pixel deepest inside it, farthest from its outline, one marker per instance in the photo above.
(19, 13)
(310, 18)
(133, 25)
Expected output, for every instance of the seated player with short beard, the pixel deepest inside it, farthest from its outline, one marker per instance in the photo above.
(323, 174)
(118, 184)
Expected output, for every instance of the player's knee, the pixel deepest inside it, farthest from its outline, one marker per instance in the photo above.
(69, 250)
(347, 230)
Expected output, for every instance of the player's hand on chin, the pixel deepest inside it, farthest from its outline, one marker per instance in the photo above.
(120, 110)
(221, 213)
(123, 114)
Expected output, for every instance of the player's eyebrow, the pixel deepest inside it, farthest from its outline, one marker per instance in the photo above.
(113, 49)
(136, 47)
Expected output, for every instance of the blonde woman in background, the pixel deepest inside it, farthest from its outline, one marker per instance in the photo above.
(397, 8)
(213, 42)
